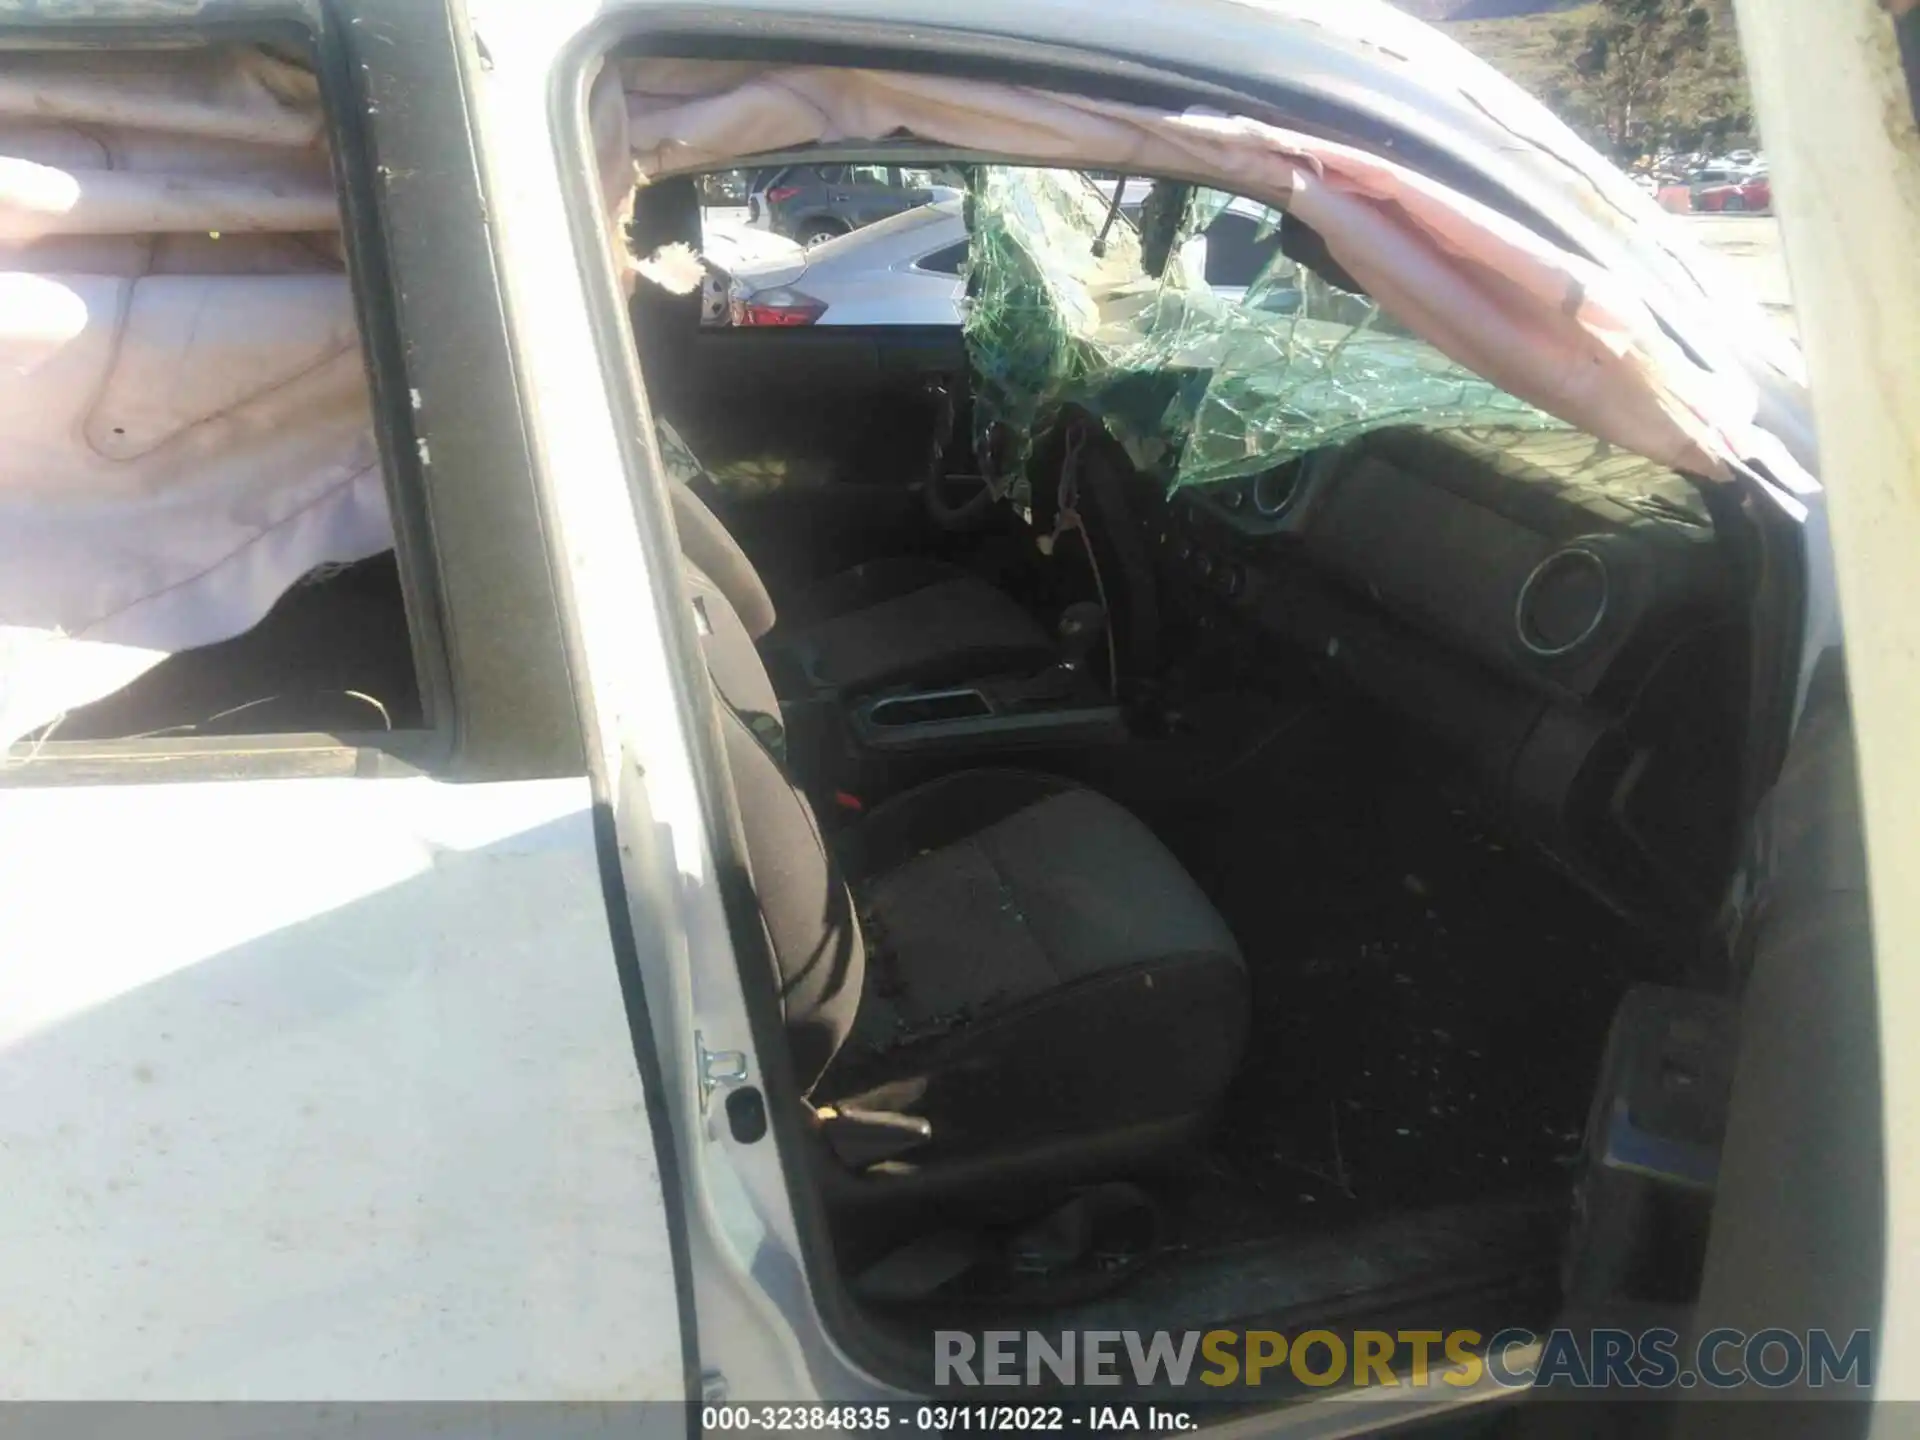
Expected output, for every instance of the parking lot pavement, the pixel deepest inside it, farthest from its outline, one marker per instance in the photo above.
(1749, 245)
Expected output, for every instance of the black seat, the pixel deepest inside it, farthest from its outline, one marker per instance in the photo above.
(1042, 973)
(905, 621)
(891, 622)
(1027, 969)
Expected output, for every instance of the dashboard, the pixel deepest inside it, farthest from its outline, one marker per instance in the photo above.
(1553, 613)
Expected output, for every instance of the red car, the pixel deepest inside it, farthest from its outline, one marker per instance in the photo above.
(1754, 192)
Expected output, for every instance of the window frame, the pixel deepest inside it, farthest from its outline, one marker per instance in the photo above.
(482, 615)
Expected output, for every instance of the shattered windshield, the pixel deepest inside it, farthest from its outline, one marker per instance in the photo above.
(1201, 383)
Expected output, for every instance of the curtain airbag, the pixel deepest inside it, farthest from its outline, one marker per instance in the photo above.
(1543, 324)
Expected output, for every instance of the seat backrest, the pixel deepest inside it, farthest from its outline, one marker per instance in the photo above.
(706, 542)
(819, 958)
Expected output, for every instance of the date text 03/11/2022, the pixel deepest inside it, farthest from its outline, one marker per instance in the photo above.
(938, 1418)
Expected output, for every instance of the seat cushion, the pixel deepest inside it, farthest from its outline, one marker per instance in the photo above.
(906, 621)
(1041, 969)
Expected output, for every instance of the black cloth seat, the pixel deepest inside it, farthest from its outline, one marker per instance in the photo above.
(1027, 969)
(905, 620)
(1040, 972)
(890, 622)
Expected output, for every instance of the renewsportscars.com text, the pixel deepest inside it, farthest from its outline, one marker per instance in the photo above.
(1601, 1359)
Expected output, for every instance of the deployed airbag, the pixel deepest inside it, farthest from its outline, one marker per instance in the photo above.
(1542, 324)
(184, 425)
(184, 428)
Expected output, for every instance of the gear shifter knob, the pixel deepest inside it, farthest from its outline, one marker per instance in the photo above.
(1083, 626)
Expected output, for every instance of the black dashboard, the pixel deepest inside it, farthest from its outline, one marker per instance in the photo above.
(1560, 617)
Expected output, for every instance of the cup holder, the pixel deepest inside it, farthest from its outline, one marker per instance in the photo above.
(929, 709)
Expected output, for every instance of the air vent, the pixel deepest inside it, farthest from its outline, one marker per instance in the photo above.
(1562, 602)
(1274, 490)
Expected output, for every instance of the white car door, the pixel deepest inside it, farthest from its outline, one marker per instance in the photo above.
(323, 1074)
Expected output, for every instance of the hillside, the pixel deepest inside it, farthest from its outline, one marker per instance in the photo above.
(1532, 48)
(1442, 10)
(1507, 9)
(1637, 98)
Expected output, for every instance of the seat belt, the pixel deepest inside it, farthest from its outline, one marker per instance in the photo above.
(1067, 517)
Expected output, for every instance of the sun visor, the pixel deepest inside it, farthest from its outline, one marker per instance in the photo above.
(1545, 325)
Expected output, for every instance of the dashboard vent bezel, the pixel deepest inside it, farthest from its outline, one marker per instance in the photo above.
(1567, 554)
(1297, 470)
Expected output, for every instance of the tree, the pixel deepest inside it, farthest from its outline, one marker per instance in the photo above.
(1646, 75)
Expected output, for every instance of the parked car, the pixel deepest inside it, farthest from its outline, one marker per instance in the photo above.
(1753, 192)
(730, 248)
(903, 270)
(817, 203)
(906, 270)
(724, 187)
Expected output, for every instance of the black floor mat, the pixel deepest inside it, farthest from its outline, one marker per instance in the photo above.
(1429, 1004)
(1361, 1273)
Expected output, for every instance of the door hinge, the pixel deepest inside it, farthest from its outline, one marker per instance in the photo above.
(717, 1067)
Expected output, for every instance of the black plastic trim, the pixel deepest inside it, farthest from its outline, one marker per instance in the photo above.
(444, 379)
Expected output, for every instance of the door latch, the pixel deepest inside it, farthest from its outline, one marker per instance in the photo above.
(717, 1067)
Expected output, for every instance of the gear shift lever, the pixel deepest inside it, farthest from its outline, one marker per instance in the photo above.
(1080, 631)
(1083, 626)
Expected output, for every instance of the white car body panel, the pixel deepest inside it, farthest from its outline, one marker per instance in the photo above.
(730, 247)
(321, 1089)
(739, 248)
(870, 277)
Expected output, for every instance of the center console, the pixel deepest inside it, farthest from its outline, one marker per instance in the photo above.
(1056, 707)
(887, 742)
(856, 750)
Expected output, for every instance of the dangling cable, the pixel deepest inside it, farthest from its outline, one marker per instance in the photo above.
(1067, 517)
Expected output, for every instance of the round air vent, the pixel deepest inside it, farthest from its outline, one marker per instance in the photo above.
(1562, 602)
(1274, 490)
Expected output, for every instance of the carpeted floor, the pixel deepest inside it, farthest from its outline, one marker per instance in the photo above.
(1429, 1004)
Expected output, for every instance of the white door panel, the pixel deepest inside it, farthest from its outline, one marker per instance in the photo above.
(321, 1088)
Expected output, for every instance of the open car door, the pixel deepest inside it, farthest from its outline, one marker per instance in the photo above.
(320, 1072)
(1816, 1221)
